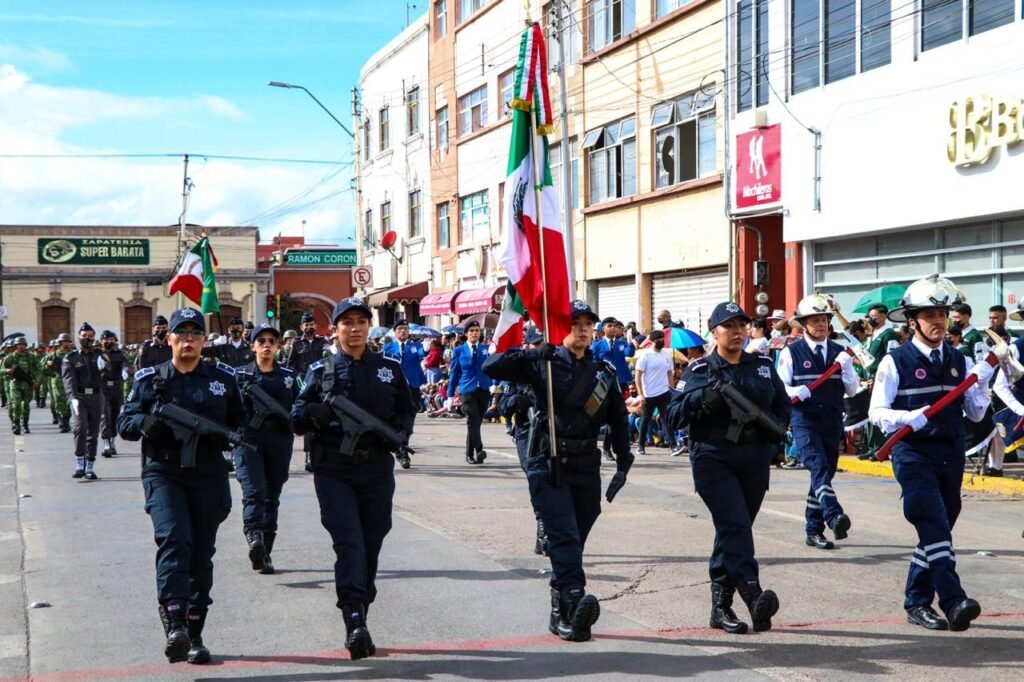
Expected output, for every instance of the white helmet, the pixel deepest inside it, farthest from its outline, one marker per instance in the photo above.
(813, 304)
(931, 292)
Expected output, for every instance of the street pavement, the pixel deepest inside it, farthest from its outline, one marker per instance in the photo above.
(462, 596)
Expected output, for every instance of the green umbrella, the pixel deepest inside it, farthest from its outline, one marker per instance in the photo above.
(888, 295)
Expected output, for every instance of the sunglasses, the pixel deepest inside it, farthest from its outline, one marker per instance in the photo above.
(189, 333)
(266, 341)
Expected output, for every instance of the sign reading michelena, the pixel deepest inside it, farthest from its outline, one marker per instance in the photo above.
(322, 258)
(98, 251)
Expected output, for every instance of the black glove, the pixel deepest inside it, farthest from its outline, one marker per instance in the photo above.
(546, 351)
(318, 415)
(712, 401)
(155, 429)
(618, 480)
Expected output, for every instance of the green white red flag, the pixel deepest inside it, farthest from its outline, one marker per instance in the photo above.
(195, 278)
(530, 280)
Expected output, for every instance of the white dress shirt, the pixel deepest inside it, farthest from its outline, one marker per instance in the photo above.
(1004, 391)
(851, 382)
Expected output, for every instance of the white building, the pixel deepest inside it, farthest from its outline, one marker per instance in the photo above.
(394, 173)
(900, 140)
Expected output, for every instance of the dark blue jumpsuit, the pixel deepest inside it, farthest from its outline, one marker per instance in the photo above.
(355, 492)
(570, 510)
(731, 478)
(186, 506)
(262, 471)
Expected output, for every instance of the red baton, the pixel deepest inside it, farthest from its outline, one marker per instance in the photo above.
(816, 384)
(943, 403)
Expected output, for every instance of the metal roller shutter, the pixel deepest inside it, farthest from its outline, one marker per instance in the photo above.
(617, 298)
(691, 296)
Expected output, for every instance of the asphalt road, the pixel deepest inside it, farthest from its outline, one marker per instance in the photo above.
(462, 596)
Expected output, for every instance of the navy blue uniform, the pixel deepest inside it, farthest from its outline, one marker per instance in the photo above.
(466, 376)
(186, 506)
(230, 354)
(570, 510)
(262, 471)
(355, 492)
(731, 478)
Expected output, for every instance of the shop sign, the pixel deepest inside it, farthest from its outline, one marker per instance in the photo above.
(98, 251)
(980, 124)
(759, 167)
(321, 258)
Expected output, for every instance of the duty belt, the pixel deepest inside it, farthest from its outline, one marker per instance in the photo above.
(110, 383)
(576, 446)
(88, 391)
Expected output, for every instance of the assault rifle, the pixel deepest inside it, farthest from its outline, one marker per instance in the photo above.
(265, 407)
(744, 413)
(188, 427)
(356, 422)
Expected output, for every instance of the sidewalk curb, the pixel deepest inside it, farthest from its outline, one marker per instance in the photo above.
(977, 483)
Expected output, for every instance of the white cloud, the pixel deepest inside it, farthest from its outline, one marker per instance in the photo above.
(34, 58)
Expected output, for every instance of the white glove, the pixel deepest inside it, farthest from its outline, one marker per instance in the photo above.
(984, 372)
(845, 361)
(915, 419)
(802, 393)
(124, 375)
(74, 406)
(101, 364)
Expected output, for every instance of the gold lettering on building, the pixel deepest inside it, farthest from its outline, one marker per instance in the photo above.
(980, 124)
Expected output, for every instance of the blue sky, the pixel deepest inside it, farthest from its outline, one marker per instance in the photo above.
(104, 76)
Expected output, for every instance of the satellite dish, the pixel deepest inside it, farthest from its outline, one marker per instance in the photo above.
(389, 239)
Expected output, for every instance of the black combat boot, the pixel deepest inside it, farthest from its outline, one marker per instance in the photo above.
(722, 615)
(197, 653)
(65, 425)
(172, 615)
(55, 420)
(24, 425)
(357, 636)
(108, 448)
(577, 612)
(257, 548)
(268, 564)
(16, 428)
(763, 604)
(541, 545)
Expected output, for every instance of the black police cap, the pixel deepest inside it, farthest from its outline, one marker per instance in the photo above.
(249, 325)
(469, 325)
(307, 317)
(611, 320)
(264, 327)
(107, 334)
(187, 316)
(158, 320)
(86, 327)
(235, 320)
(400, 323)
(347, 304)
(532, 335)
(582, 309)
(724, 312)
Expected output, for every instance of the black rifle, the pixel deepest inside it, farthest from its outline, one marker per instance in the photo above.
(19, 374)
(743, 413)
(355, 422)
(538, 430)
(188, 427)
(264, 406)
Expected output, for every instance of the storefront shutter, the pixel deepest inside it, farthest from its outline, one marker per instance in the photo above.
(617, 298)
(690, 297)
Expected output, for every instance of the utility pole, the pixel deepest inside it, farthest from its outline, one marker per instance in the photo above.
(357, 155)
(559, 23)
(186, 188)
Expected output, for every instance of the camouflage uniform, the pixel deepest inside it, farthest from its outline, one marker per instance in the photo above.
(44, 387)
(58, 396)
(22, 370)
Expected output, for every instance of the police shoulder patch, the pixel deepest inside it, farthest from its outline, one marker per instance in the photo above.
(392, 359)
(317, 365)
(699, 364)
(144, 372)
(227, 369)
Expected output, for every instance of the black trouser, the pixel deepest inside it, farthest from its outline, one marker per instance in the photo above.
(660, 403)
(113, 399)
(261, 473)
(474, 404)
(85, 425)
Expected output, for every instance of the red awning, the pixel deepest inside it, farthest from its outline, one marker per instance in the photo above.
(479, 301)
(408, 293)
(438, 304)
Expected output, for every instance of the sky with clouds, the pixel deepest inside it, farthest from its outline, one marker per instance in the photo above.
(104, 79)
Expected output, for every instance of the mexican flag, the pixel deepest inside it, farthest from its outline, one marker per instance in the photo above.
(195, 278)
(532, 204)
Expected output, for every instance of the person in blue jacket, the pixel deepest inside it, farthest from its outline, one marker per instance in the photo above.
(409, 354)
(467, 378)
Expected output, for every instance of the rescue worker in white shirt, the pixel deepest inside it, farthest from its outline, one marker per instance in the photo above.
(929, 463)
(817, 420)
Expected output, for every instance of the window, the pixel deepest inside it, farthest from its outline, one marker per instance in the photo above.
(986, 15)
(367, 138)
(474, 219)
(384, 130)
(444, 226)
(473, 111)
(663, 7)
(468, 8)
(442, 128)
(751, 53)
(385, 218)
(806, 45)
(506, 81)
(368, 228)
(415, 215)
(608, 21)
(840, 37)
(555, 155)
(941, 22)
(875, 32)
(572, 30)
(412, 111)
(684, 138)
(440, 19)
(611, 161)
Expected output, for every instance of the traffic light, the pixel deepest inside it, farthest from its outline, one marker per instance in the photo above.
(271, 306)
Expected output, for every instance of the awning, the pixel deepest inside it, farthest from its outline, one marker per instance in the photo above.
(408, 293)
(480, 301)
(438, 304)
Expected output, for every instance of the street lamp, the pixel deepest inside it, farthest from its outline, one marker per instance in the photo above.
(292, 86)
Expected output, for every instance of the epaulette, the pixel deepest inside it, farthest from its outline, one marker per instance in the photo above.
(764, 358)
(317, 365)
(609, 365)
(391, 359)
(144, 372)
(699, 363)
(227, 369)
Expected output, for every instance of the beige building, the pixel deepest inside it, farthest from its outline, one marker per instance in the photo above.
(57, 277)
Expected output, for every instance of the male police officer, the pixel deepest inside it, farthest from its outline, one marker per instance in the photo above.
(235, 351)
(303, 353)
(185, 503)
(355, 482)
(155, 350)
(262, 470)
(22, 375)
(410, 354)
(111, 363)
(81, 375)
(467, 378)
(818, 417)
(929, 463)
(586, 397)
(52, 365)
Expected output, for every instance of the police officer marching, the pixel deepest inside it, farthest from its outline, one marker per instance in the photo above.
(186, 500)
(80, 373)
(818, 417)
(268, 391)
(731, 458)
(929, 463)
(354, 478)
(156, 350)
(111, 363)
(302, 353)
(235, 351)
(566, 490)
(467, 378)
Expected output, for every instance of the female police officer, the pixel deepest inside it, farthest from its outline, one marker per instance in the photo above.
(731, 465)
(355, 482)
(185, 503)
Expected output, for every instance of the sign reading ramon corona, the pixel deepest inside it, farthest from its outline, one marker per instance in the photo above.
(99, 251)
(980, 124)
(321, 258)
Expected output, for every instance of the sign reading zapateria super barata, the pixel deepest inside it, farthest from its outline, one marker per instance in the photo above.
(98, 251)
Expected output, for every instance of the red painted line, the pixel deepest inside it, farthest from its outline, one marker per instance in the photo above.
(432, 648)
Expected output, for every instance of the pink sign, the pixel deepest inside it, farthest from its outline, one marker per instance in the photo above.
(759, 167)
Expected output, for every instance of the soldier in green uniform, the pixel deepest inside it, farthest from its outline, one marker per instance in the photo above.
(4, 350)
(58, 396)
(882, 340)
(973, 342)
(44, 388)
(22, 370)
